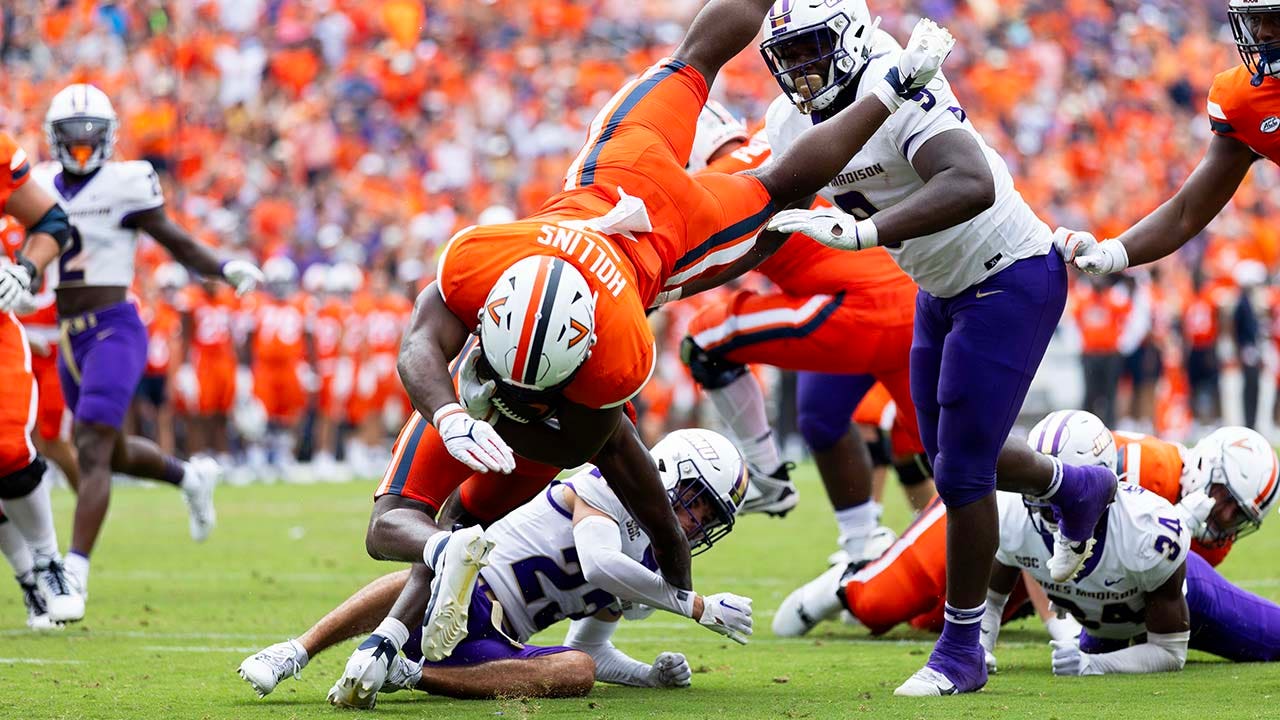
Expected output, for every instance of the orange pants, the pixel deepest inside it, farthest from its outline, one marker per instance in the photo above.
(216, 376)
(422, 469)
(53, 420)
(839, 334)
(277, 385)
(908, 583)
(19, 408)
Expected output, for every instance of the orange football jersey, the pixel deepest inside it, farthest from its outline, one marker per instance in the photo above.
(1248, 113)
(164, 326)
(327, 325)
(15, 169)
(281, 327)
(212, 316)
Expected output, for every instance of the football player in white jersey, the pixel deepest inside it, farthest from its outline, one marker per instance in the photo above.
(1142, 578)
(991, 292)
(104, 343)
(571, 552)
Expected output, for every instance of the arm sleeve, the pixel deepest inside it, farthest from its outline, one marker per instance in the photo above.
(605, 566)
(1160, 653)
(592, 636)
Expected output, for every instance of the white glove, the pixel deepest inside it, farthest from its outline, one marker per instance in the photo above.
(476, 394)
(307, 378)
(187, 383)
(242, 275)
(1068, 658)
(670, 670)
(1195, 508)
(728, 615)
(473, 442)
(1084, 251)
(15, 280)
(828, 226)
(917, 65)
(25, 304)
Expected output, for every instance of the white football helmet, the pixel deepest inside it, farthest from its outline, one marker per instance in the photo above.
(697, 465)
(1256, 27)
(1243, 462)
(171, 276)
(1075, 437)
(280, 276)
(716, 127)
(315, 278)
(344, 278)
(538, 323)
(80, 127)
(815, 49)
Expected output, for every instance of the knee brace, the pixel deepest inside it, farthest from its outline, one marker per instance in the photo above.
(914, 470)
(20, 484)
(880, 449)
(709, 371)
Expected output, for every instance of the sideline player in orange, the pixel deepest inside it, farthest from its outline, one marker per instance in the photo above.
(327, 326)
(207, 380)
(843, 321)
(384, 316)
(24, 494)
(1244, 115)
(281, 344)
(560, 299)
(153, 402)
(1223, 487)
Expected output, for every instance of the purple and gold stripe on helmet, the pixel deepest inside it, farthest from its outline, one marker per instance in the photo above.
(780, 16)
(739, 490)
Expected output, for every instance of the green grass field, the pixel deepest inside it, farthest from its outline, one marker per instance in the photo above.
(169, 621)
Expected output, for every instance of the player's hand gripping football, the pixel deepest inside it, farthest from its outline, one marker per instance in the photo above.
(1068, 658)
(919, 62)
(1084, 251)
(242, 275)
(15, 280)
(473, 442)
(476, 394)
(828, 226)
(728, 615)
(670, 670)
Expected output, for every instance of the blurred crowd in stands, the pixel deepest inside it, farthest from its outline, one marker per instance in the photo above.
(354, 137)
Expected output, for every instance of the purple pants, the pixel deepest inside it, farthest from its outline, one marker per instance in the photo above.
(483, 644)
(825, 405)
(1225, 621)
(972, 360)
(103, 355)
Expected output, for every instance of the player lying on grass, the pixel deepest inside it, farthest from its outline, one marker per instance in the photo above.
(1143, 579)
(571, 552)
(907, 583)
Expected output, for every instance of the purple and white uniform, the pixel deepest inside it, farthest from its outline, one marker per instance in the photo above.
(105, 351)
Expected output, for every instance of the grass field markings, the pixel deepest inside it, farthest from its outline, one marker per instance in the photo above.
(37, 661)
(147, 635)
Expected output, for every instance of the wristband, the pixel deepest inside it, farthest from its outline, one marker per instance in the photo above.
(445, 411)
(867, 233)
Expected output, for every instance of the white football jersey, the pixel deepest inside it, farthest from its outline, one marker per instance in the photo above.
(533, 569)
(105, 252)
(1144, 544)
(881, 175)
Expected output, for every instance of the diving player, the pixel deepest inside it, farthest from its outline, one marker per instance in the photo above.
(104, 344)
(561, 296)
(1244, 115)
(991, 292)
(571, 552)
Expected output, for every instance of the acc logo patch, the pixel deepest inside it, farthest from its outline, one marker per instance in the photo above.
(1270, 124)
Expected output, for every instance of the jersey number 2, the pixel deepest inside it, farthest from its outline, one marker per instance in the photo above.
(69, 270)
(527, 574)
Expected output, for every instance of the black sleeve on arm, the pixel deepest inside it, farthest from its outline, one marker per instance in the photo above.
(56, 224)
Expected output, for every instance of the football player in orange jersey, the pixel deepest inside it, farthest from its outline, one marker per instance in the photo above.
(1244, 115)
(561, 298)
(281, 352)
(385, 314)
(206, 382)
(1222, 488)
(28, 539)
(152, 403)
(328, 321)
(824, 298)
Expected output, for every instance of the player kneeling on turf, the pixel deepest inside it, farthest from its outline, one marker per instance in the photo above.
(571, 552)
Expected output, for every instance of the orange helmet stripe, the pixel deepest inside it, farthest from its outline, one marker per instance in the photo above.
(530, 319)
(1271, 484)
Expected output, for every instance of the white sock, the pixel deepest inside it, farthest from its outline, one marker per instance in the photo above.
(434, 548)
(32, 514)
(856, 525)
(393, 630)
(740, 405)
(77, 565)
(300, 654)
(15, 550)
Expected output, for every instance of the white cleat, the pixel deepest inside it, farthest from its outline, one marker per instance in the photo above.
(1068, 558)
(63, 594)
(445, 624)
(404, 674)
(265, 669)
(365, 675)
(927, 682)
(37, 610)
(197, 491)
(810, 604)
(774, 495)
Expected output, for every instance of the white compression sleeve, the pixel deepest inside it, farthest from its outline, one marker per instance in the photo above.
(1162, 652)
(605, 566)
(592, 637)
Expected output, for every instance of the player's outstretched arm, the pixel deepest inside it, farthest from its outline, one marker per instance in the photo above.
(593, 635)
(1168, 634)
(1171, 225)
(242, 275)
(719, 31)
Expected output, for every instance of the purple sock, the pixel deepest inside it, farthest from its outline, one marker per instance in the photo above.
(174, 470)
(962, 627)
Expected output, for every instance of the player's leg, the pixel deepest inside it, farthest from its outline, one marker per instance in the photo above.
(1228, 621)
(562, 672)
(972, 361)
(358, 614)
(15, 550)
